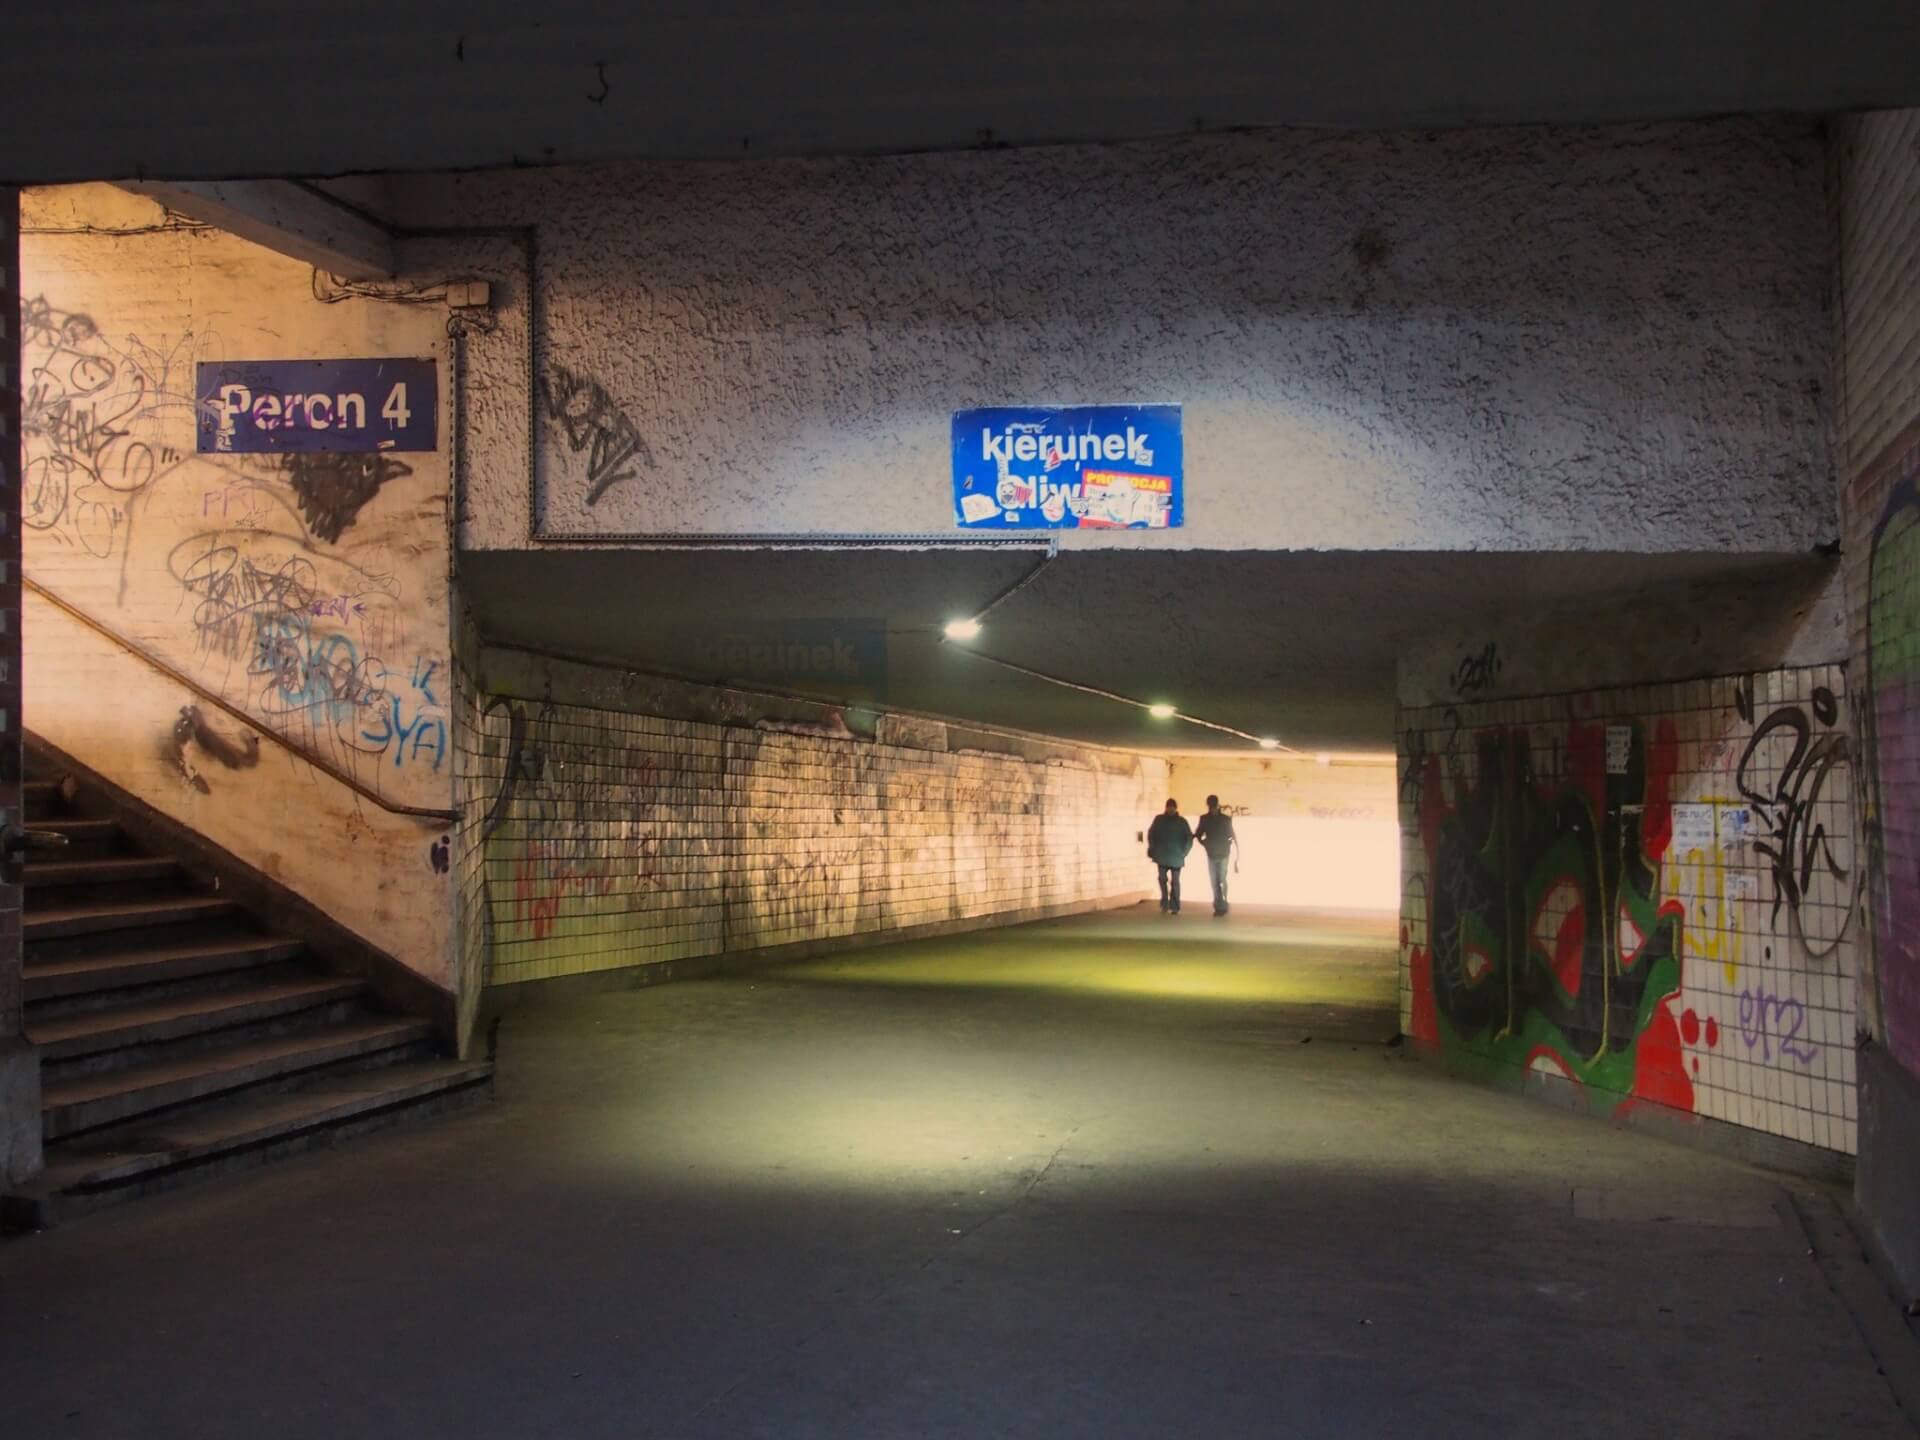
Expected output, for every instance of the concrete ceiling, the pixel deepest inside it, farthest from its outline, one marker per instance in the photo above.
(110, 89)
(1297, 645)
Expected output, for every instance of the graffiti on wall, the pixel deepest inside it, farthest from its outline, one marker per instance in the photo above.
(86, 409)
(537, 825)
(591, 840)
(1550, 943)
(1607, 901)
(595, 426)
(259, 574)
(1891, 717)
(1797, 771)
(191, 736)
(1478, 671)
(332, 489)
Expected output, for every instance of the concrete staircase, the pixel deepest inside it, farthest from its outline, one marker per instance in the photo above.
(178, 1036)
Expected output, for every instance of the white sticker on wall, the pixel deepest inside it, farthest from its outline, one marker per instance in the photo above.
(1692, 830)
(1619, 748)
(1736, 826)
(977, 507)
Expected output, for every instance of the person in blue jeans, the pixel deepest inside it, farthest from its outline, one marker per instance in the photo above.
(1215, 834)
(1169, 839)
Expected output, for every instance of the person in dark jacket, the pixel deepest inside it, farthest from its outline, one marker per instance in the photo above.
(1169, 839)
(1216, 835)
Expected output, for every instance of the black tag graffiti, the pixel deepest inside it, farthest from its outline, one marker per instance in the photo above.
(593, 423)
(332, 489)
(1785, 793)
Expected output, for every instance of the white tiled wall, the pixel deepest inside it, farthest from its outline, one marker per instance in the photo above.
(1877, 336)
(1763, 1009)
(633, 839)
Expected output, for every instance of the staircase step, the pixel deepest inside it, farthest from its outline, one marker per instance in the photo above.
(94, 1031)
(89, 1101)
(105, 871)
(86, 919)
(78, 828)
(252, 1122)
(41, 799)
(86, 839)
(155, 965)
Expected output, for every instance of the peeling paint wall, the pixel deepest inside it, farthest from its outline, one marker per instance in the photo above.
(309, 593)
(1501, 339)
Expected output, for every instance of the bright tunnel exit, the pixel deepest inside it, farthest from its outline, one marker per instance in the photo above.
(1320, 835)
(1317, 864)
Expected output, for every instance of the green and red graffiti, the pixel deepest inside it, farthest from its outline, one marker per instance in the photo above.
(1549, 945)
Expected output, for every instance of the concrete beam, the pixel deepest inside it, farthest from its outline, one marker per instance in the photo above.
(283, 216)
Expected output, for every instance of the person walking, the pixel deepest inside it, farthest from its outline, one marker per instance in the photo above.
(1169, 839)
(1215, 834)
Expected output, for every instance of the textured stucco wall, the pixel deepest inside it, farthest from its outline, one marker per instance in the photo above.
(1513, 339)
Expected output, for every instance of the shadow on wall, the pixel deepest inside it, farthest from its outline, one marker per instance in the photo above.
(1892, 714)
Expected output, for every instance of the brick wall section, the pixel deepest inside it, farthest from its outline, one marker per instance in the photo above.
(595, 839)
(1649, 892)
(1877, 165)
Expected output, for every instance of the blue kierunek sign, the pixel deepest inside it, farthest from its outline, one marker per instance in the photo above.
(1115, 467)
(315, 406)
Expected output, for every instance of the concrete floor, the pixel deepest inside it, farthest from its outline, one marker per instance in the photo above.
(1114, 1176)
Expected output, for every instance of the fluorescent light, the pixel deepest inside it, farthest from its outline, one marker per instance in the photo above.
(1267, 742)
(1323, 758)
(962, 629)
(1162, 711)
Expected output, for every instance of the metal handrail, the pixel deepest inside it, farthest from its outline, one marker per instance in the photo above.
(187, 682)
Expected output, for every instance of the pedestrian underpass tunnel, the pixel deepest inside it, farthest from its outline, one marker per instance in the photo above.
(797, 637)
(458, 603)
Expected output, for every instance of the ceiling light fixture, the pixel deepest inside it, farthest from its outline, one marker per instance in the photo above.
(1160, 710)
(962, 629)
(1267, 742)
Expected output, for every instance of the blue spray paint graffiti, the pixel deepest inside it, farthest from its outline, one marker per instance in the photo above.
(321, 674)
(405, 739)
(325, 679)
